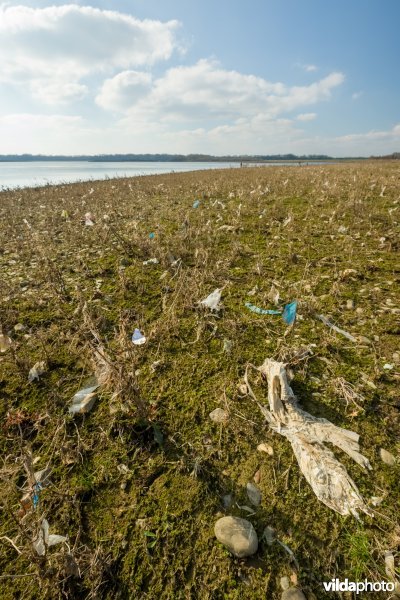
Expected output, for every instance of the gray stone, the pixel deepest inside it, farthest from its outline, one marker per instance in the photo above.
(293, 594)
(285, 583)
(253, 494)
(219, 415)
(387, 457)
(237, 535)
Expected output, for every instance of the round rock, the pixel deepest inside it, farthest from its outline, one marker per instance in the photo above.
(237, 535)
(293, 594)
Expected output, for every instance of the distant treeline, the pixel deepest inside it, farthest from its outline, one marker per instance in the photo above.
(163, 158)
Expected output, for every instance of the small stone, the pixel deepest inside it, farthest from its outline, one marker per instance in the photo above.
(253, 494)
(227, 500)
(269, 535)
(257, 476)
(242, 389)
(19, 327)
(219, 415)
(388, 367)
(285, 583)
(266, 448)
(237, 535)
(387, 458)
(359, 310)
(37, 371)
(5, 342)
(350, 304)
(293, 594)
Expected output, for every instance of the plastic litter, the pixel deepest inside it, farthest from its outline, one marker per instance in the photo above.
(212, 301)
(337, 329)
(262, 311)
(151, 261)
(83, 400)
(89, 221)
(45, 540)
(308, 435)
(37, 370)
(196, 204)
(138, 338)
(5, 342)
(289, 313)
(151, 235)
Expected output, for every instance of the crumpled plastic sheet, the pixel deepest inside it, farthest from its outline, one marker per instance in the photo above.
(308, 435)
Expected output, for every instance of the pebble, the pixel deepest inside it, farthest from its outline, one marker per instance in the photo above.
(253, 494)
(19, 327)
(285, 583)
(293, 594)
(350, 304)
(227, 500)
(237, 535)
(387, 458)
(266, 448)
(219, 415)
(388, 367)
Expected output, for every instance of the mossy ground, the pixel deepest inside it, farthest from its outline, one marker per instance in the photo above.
(137, 484)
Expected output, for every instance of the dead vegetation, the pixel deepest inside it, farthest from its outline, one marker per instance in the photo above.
(134, 486)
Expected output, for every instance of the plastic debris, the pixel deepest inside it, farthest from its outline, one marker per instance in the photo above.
(151, 235)
(212, 301)
(5, 342)
(308, 435)
(37, 370)
(262, 311)
(196, 204)
(337, 329)
(45, 540)
(228, 345)
(289, 313)
(83, 400)
(138, 338)
(89, 221)
(388, 367)
(151, 261)
(389, 566)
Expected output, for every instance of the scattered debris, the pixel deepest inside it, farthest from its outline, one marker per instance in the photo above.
(388, 367)
(337, 329)
(152, 236)
(293, 593)
(212, 301)
(389, 566)
(307, 434)
(37, 371)
(289, 313)
(262, 311)
(151, 261)
(89, 221)
(5, 342)
(45, 540)
(227, 346)
(19, 327)
(196, 204)
(237, 535)
(138, 338)
(83, 401)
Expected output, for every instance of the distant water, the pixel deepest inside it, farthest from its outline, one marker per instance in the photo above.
(32, 174)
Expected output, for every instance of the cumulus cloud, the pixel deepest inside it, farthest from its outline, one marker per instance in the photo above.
(69, 42)
(36, 131)
(392, 134)
(120, 92)
(310, 68)
(206, 91)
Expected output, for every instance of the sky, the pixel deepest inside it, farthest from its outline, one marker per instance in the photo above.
(212, 77)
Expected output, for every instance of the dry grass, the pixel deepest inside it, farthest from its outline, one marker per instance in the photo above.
(137, 484)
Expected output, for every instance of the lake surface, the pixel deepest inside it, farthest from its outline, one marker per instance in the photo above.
(32, 173)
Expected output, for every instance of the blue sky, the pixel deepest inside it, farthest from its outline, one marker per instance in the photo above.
(178, 76)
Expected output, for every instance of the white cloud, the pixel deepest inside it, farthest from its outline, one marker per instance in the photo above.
(205, 91)
(67, 43)
(306, 116)
(310, 68)
(57, 92)
(121, 91)
(356, 95)
(41, 133)
(392, 134)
